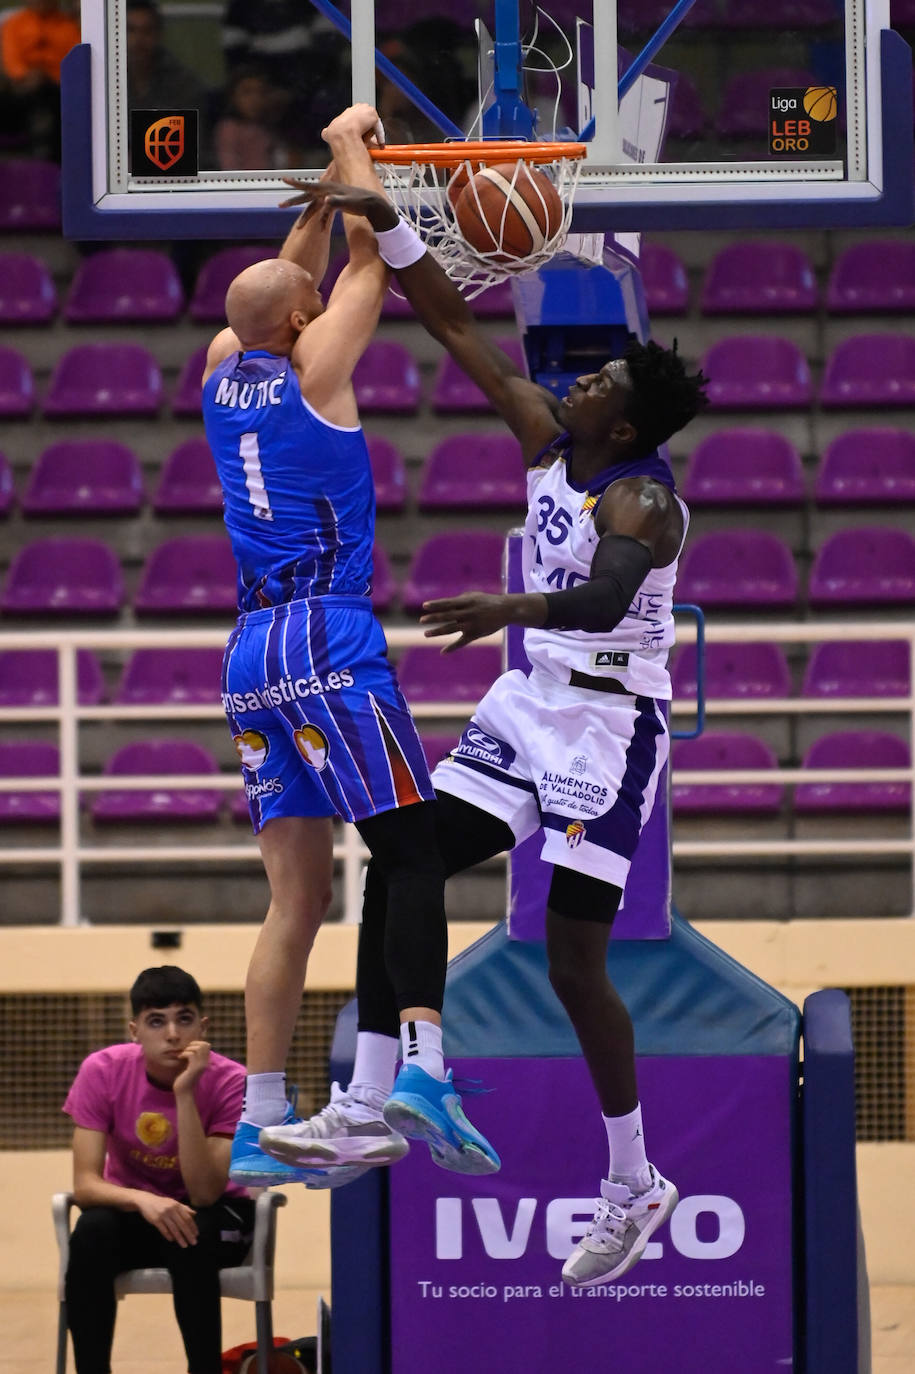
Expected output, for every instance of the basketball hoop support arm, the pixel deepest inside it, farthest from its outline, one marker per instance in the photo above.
(508, 116)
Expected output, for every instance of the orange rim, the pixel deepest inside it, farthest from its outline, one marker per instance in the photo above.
(485, 151)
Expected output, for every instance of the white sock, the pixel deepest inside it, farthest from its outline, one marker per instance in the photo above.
(628, 1161)
(421, 1044)
(375, 1066)
(265, 1099)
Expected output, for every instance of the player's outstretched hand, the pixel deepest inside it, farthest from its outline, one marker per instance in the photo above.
(471, 615)
(327, 196)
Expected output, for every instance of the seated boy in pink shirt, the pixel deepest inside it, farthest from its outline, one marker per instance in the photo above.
(154, 1121)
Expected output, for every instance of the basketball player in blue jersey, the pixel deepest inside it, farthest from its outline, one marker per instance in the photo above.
(318, 719)
(603, 534)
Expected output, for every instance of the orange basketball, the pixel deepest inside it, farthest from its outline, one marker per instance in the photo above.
(820, 103)
(508, 211)
(457, 182)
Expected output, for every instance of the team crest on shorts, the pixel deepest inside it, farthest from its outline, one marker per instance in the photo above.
(575, 833)
(252, 748)
(313, 745)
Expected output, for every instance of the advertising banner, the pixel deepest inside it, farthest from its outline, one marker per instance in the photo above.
(475, 1262)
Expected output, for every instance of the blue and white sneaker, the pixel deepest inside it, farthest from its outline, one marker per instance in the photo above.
(252, 1168)
(425, 1108)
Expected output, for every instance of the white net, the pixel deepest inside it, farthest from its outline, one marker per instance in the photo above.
(420, 190)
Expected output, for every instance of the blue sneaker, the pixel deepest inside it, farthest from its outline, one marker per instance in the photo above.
(425, 1108)
(253, 1168)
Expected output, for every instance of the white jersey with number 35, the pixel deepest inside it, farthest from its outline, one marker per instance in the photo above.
(559, 544)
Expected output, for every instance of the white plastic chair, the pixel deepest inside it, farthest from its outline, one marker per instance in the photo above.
(251, 1281)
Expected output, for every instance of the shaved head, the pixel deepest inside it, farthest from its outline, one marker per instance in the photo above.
(261, 299)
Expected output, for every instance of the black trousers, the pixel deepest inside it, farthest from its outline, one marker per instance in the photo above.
(106, 1242)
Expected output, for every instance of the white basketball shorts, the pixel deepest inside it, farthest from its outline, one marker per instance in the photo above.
(582, 764)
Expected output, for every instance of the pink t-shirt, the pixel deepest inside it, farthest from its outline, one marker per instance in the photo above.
(112, 1093)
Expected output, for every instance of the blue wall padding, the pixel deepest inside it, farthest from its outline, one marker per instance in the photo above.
(830, 1190)
(499, 1003)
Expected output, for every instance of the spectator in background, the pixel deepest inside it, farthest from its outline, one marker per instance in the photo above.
(153, 1123)
(302, 57)
(247, 138)
(34, 41)
(156, 80)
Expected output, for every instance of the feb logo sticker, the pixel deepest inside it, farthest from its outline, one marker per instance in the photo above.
(163, 143)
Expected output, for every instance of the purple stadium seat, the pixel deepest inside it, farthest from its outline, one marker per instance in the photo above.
(855, 749)
(738, 569)
(496, 302)
(154, 757)
(125, 285)
(187, 399)
(384, 585)
(643, 16)
(744, 467)
(386, 379)
(23, 758)
(876, 278)
(188, 575)
(17, 388)
(744, 109)
(85, 477)
(105, 379)
(902, 14)
(448, 564)
(870, 370)
(664, 280)
(388, 474)
(171, 675)
(208, 302)
(437, 745)
(454, 392)
(474, 471)
(868, 467)
(395, 305)
(759, 278)
(189, 483)
(757, 372)
(426, 674)
(64, 577)
(688, 117)
(748, 671)
(778, 14)
(28, 677)
(7, 492)
(724, 749)
(858, 668)
(864, 567)
(29, 195)
(27, 293)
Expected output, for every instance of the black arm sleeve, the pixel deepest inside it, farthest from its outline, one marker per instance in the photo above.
(619, 567)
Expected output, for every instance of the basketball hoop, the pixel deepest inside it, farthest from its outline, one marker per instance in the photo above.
(418, 177)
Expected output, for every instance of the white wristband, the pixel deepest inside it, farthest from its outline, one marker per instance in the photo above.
(400, 246)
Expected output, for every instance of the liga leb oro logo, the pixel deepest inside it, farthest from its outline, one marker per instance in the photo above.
(163, 143)
(802, 121)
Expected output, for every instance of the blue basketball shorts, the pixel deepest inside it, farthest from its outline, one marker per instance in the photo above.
(583, 765)
(317, 717)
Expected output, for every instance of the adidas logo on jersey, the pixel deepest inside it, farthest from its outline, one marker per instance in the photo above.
(608, 659)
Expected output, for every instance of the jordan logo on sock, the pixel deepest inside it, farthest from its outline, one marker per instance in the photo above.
(638, 1132)
(413, 1046)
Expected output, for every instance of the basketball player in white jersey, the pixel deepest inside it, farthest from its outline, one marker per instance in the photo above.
(603, 534)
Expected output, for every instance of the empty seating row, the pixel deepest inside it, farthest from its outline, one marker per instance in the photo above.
(191, 676)
(131, 285)
(835, 669)
(25, 758)
(107, 379)
(772, 278)
(718, 750)
(194, 574)
(839, 749)
(104, 477)
(142, 286)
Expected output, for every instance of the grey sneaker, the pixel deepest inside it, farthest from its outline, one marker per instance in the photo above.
(347, 1131)
(620, 1230)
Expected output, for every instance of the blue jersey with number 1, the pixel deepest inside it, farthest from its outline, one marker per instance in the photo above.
(298, 492)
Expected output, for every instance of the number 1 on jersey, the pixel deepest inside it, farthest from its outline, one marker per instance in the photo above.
(254, 477)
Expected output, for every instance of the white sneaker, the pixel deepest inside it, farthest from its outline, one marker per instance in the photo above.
(620, 1230)
(349, 1130)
